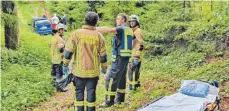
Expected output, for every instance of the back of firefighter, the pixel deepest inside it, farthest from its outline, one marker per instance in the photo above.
(135, 64)
(57, 51)
(121, 53)
(86, 47)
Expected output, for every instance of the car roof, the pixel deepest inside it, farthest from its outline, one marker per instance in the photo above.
(40, 18)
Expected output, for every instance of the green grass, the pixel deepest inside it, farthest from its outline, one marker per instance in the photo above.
(162, 75)
(26, 71)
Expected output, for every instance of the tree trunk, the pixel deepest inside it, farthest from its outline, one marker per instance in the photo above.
(184, 4)
(11, 25)
(225, 47)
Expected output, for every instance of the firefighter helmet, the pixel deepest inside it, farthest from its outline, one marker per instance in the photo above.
(134, 17)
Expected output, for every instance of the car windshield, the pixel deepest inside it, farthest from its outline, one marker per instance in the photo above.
(42, 22)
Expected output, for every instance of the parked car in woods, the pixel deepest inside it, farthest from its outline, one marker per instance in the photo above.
(41, 26)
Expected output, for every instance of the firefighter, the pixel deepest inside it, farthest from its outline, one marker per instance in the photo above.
(135, 64)
(121, 53)
(57, 51)
(86, 47)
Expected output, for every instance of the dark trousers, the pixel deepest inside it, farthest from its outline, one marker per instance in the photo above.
(90, 85)
(133, 75)
(56, 73)
(116, 80)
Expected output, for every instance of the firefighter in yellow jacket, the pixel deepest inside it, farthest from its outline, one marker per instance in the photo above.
(135, 64)
(57, 51)
(86, 47)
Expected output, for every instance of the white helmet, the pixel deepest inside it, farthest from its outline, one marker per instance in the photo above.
(134, 17)
(60, 26)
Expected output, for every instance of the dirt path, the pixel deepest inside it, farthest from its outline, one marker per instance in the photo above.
(224, 98)
(225, 104)
(60, 101)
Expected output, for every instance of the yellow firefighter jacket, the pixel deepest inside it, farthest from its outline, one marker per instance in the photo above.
(137, 43)
(57, 43)
(88, 46)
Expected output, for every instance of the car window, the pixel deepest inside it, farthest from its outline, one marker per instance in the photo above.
(42, 22)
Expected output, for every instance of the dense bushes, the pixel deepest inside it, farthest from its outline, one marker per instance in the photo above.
(185, 24)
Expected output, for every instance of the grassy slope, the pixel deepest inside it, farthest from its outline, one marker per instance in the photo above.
(25, 72)
(159, 79)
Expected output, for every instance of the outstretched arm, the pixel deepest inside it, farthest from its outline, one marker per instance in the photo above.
(106, 30)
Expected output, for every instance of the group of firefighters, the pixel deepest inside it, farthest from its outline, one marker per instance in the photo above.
(85, 54)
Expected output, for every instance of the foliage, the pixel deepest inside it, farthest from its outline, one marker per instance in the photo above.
(25, 72)
(24, 87)
(75, 11)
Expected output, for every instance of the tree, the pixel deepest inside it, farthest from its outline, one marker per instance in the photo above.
(11, 24)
